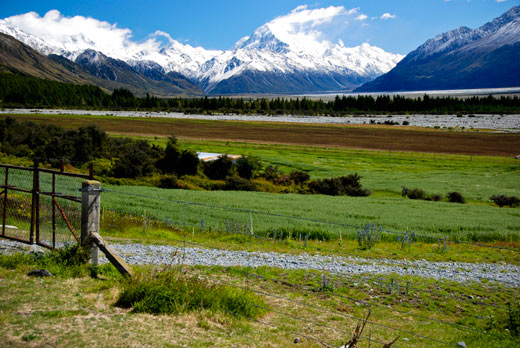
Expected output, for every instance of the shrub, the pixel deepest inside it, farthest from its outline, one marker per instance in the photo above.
(413, 193)
(272, 173)
(435, 197)
(299, 177)
(456, 197)
(509, 323)
(345, 185)
(133, 161)
(219, 169)
(188, 163)
(236, 183)
(170, 161)
(168, 182)
(502, 200)
(247, 166)
(173, 293)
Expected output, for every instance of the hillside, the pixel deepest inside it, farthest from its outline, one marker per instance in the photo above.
(16, 57)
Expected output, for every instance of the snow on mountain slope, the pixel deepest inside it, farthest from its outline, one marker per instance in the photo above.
(284, 46)
(290, 44)
(504, 30)
(485, 57)
(69, 37)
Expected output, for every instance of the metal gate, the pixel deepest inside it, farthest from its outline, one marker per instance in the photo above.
(40, 206)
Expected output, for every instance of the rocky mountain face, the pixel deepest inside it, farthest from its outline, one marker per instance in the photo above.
(265, 62)
(486, 57)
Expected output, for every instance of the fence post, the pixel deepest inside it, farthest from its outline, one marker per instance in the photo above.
(90, 203)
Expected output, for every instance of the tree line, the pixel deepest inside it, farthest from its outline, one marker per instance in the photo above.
(25, 91)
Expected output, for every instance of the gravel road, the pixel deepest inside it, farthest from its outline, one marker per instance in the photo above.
(140, 254)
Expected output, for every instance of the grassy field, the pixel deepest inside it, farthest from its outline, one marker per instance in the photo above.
(466, 222)
(339, 136)
(73, 309)
(385, 173)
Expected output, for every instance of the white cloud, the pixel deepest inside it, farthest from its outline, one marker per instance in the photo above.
(75, 34)
(304, 26)
(67, 32)
(387, 16)
(361, 17)
(501, 0)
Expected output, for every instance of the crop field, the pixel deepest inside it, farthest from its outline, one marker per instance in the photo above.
(373, 137)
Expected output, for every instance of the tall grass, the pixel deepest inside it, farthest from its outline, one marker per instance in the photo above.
(172, 292)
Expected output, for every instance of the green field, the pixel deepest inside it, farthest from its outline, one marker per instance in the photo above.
(385, 173)
(477, 178)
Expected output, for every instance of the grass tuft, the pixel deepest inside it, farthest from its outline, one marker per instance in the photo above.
(171, 292)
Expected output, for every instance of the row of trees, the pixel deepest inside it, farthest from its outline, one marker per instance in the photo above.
(18, 90)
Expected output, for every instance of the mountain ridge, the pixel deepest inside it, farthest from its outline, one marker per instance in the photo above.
(464, 58)
(311, 66)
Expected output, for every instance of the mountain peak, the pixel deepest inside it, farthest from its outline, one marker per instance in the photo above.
(262, 39)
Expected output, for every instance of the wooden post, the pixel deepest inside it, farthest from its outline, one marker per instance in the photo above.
(90, 216)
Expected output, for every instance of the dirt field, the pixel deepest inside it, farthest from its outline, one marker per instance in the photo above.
(374, 137)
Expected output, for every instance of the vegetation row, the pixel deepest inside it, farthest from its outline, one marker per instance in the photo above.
(25, 91)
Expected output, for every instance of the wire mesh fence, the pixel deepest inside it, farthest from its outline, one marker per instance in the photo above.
(40, 205)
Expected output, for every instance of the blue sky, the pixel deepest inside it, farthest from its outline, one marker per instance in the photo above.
(219, 24)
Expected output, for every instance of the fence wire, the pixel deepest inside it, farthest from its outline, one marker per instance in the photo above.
(265, 224)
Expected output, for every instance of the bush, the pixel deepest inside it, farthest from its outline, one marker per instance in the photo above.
(247, 166)
(173, 293)
(345, 185)
(299, 177)
(219, 169)
(509, 323)
(502, 200)
(272, 173)
(435, 197)
(456, 197)
(188, 163)
(413, 193)
(236, 183)
(168, 182)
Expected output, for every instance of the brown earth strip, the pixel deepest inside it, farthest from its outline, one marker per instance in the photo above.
(373, 137)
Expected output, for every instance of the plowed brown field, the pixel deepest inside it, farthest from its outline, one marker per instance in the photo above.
(373, 137)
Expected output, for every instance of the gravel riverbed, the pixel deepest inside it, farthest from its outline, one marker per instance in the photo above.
(141, 254)
(501, 123)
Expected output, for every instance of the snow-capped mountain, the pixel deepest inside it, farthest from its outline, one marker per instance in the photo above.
(485, 57)
(264, 52)
(271, 60)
